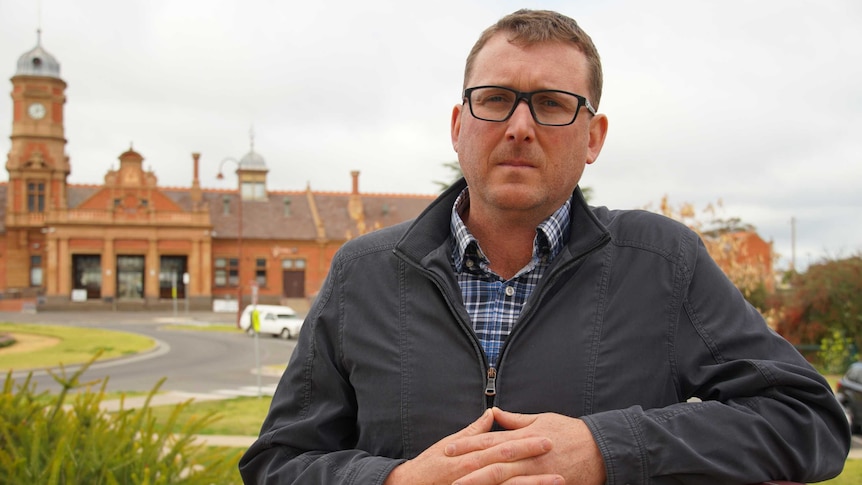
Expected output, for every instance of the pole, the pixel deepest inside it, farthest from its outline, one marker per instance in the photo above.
(174, 291)
(793, 244)
(239, 247)
(256, 340)
(186, 281)
(257, 363)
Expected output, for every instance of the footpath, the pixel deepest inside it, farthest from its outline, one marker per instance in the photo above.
(172, 398)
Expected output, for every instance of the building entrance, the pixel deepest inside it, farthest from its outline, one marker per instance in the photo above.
(130, 277)
(171, 270)
(87, 274)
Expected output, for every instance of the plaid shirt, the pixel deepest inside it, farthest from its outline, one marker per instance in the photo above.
(493, 304)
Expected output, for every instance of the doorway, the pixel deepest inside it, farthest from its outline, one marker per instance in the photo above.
(130, 277)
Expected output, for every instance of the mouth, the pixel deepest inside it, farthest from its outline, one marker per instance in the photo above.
(517, 163)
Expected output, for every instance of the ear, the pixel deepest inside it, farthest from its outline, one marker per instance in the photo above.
(598, 131)
(455, 127)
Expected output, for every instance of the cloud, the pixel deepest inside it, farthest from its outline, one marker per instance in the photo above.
(754, 103)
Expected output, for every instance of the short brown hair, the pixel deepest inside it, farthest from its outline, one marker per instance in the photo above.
(526, 27)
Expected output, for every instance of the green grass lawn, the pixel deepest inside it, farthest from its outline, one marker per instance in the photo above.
(238, 416)
(77, 345)
(852, 474)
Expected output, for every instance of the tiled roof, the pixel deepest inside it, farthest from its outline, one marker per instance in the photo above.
(284, 215)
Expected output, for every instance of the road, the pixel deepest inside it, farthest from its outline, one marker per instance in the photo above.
(192, 361)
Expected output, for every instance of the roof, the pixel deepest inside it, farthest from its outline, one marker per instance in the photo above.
(291, 215)
(283, 215)
(252, 161)
(38, 62)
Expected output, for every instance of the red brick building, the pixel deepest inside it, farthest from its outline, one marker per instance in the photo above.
(129, 243)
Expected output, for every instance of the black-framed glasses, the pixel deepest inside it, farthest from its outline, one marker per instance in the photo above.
(549, 107)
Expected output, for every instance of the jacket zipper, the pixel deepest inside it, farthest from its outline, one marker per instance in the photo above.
(491, 387)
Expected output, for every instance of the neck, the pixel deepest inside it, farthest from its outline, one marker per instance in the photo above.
(506, 242)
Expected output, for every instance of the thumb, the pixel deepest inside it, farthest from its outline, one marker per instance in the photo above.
(513, 420)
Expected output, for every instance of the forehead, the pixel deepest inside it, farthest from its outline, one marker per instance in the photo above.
(545, 65)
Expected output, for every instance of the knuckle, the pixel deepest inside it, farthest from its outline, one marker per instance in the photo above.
(508, 452)
(498, 471)
(487, 441)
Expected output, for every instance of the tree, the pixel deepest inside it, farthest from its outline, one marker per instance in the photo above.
(735, 246)
(825, 299)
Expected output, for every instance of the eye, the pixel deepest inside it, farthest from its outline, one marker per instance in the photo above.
(553, 101)
(493, 96)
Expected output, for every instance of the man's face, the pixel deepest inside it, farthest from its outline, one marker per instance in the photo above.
(518, 167)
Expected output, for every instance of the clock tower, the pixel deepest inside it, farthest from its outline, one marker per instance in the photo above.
(38, 168)
(37, 161)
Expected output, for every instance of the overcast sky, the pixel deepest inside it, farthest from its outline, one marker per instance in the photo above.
(754, 103)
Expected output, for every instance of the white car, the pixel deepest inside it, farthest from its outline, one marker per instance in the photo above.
(276, 320)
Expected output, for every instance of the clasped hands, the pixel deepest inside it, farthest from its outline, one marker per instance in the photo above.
(533, 449)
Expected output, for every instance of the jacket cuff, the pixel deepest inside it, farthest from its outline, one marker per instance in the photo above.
(621, 443)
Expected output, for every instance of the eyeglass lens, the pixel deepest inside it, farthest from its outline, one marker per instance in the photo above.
(548, 107)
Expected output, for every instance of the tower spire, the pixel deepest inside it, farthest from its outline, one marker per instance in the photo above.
(39, 22)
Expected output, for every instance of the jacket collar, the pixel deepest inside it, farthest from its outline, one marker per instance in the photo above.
(429, 233)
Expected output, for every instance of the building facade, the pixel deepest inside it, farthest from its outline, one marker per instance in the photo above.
(131, 244)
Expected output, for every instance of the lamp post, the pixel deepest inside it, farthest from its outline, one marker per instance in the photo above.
(220, 176)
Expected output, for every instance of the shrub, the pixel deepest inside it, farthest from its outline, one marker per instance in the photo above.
(6, 340)
(836, 353)
(80, 443)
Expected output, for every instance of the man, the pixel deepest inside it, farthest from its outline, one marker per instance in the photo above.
(577, 335)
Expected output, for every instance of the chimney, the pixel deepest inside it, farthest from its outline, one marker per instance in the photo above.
(197, 197)
(197, 157)
(355, 175)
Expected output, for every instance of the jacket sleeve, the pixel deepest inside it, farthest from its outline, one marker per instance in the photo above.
(308, 436)
(761, 411)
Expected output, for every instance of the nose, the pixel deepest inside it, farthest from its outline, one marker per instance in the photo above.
(521, 124)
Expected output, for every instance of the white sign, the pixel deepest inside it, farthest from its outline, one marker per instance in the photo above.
(79, 295)
(225, 306)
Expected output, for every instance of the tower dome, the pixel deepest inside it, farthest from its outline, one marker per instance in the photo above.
(252, 161)
(38, 62)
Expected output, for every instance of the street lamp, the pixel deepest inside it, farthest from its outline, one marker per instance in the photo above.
(220, 176)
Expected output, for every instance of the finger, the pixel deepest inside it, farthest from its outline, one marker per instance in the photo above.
(498, 447)
(508, 474)
(513, 420)
(482, 425)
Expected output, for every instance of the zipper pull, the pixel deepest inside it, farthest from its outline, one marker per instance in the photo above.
(491, 385)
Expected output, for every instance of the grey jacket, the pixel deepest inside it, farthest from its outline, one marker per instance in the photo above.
(631, 321)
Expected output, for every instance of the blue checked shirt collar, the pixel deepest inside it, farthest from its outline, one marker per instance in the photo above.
(551, 236)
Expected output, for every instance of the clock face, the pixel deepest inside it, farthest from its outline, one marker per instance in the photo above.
(36, 111)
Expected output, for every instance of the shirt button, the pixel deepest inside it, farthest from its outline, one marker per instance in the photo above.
(510, 291)
(469, 263)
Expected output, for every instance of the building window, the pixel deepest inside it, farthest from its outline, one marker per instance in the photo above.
(293, 263)
(253, 191)
(226, 272)
(287, 203)
(35, 270)
(225, 205)
(36, 197)
(260, 272)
